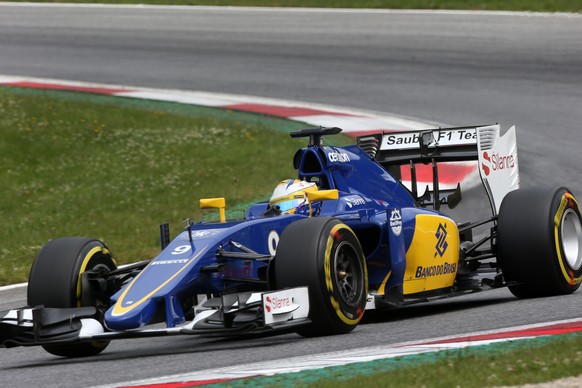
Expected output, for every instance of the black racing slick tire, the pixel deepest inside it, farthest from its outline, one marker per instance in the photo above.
(539, 242)
(54, 281)
(325, 255)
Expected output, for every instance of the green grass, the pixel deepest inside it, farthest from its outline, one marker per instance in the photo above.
(503, 364)
(115, 168)
(515, 5)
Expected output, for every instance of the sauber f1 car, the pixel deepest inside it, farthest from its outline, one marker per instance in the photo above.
(358, 239)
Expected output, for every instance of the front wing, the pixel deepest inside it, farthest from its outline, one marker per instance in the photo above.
(232, 314)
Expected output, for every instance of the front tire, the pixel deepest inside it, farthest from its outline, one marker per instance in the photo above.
(325, 255)
(55, 281)
(539, 242)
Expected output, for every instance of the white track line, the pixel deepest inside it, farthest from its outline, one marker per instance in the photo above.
(388, 121)
(13, 286)
(237, 9)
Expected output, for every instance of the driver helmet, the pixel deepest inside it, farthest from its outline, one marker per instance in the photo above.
(289, 195)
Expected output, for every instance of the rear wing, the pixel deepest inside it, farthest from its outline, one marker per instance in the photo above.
(495, 157)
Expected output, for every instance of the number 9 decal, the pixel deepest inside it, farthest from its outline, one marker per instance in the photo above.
(181, 249)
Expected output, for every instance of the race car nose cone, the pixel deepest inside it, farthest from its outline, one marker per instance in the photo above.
(138, 316)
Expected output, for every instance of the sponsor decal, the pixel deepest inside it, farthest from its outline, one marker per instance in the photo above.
(396, 222)
(338, 157)
(402, 139)
(164, 262)
(272, 304)
(435, 270)
(289, 304)
(497, 162)
(459, 135)
(443, 138)
(354, 200)
(442, 244)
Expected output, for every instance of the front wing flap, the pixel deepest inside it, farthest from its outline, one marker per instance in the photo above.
(232, 314)
(41, 325)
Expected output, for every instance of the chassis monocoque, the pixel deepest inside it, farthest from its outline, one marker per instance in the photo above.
(364, 241)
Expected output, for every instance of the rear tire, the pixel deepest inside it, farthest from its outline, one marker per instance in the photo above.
(325, 255)
(539, 242)
(54, 281)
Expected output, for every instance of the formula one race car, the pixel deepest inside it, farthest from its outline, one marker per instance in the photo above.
(345, 236)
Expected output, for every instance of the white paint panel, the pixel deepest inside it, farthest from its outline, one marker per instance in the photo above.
(498, 165)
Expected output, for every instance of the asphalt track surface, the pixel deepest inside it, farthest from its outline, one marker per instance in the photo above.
(454, 68)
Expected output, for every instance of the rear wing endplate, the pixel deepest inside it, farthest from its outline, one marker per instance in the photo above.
(496, 158)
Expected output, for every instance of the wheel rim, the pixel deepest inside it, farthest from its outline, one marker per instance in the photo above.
(571, 233)
(348, 273)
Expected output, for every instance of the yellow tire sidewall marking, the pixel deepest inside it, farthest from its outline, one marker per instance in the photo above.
(557, 223)
(328, 278)
(84, 265)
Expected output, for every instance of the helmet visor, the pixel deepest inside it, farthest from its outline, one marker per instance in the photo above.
(289, 202)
